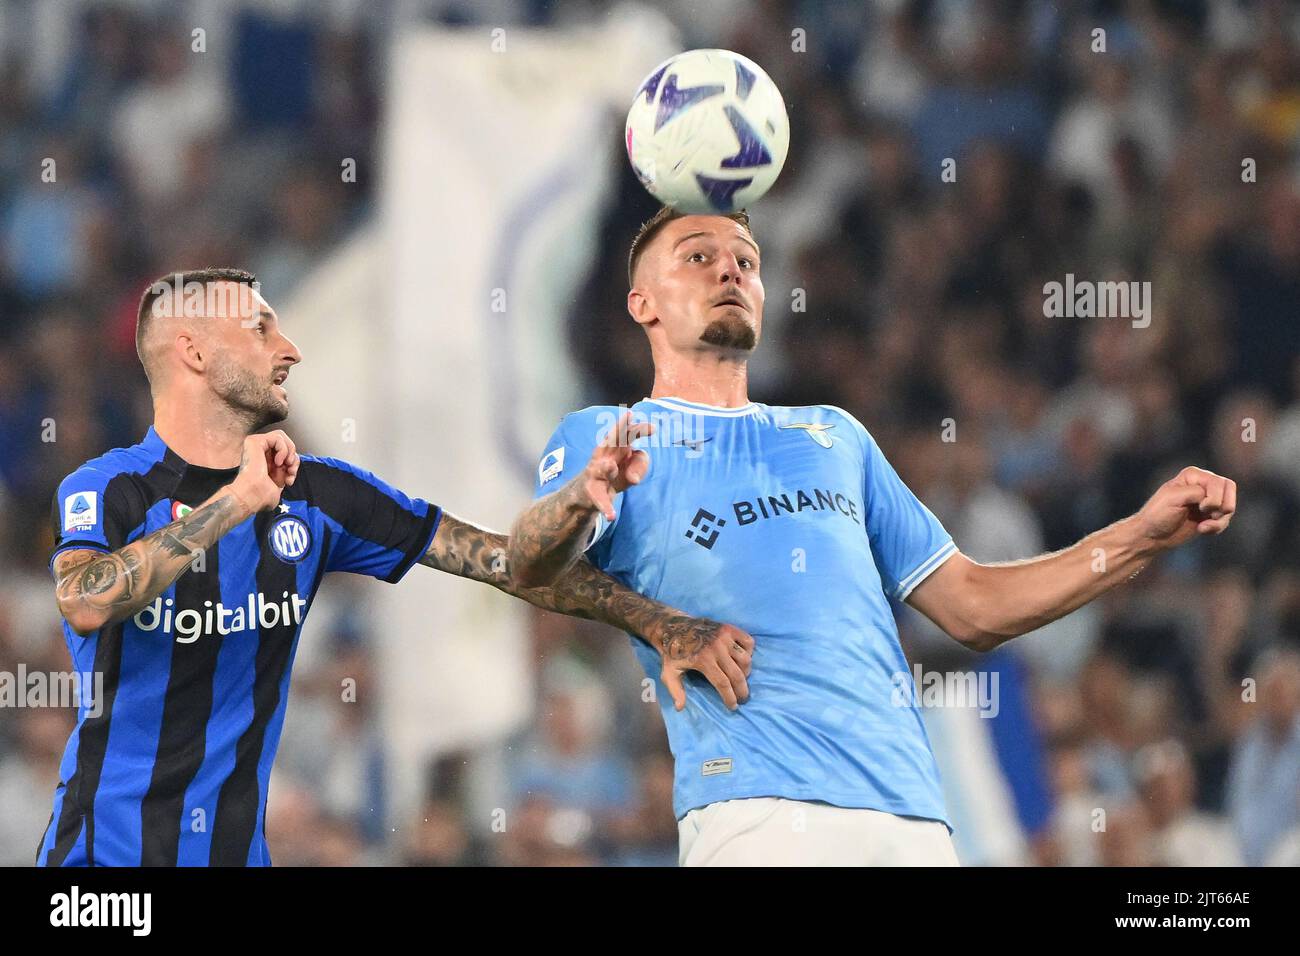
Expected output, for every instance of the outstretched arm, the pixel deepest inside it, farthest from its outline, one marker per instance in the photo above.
(984, 605)
(94, 589)
(720, 652)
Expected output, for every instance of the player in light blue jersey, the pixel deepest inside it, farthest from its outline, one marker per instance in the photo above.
(791, 524)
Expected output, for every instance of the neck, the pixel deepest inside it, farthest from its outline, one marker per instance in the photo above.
(704, 377)
(203, 433)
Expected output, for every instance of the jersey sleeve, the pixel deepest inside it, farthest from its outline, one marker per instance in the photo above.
(89, 511)
(907, 541)
(379, 531)
(567, 454)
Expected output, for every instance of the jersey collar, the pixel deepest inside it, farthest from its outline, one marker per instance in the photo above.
(154, 444)
(699, 408)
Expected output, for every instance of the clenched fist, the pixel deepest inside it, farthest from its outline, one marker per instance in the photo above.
(1196, 502)
(269, 464)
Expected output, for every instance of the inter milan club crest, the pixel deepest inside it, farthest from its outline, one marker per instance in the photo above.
(290, 538)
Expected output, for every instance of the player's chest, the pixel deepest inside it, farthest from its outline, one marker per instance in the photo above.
(292, 535)
(757, 457)
(743, 487)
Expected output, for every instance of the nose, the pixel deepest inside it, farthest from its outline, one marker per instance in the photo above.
(729, 269)
(289, 353)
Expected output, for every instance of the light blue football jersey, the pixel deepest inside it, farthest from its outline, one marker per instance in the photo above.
(790, 524)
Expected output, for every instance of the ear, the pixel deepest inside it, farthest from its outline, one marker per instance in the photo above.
(640, 307)
(188, 350)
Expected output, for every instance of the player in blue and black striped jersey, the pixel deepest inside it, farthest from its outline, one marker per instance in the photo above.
(185, 566)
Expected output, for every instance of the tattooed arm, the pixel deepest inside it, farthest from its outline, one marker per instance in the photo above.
(552, 533)
(720, 652)
(94, 589)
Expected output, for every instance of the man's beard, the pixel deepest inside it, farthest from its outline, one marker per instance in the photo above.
(249, 397)
(730, 332)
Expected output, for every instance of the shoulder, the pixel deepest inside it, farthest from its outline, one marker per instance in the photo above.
(322, 464)
(831, 416)
(585, 427)
(98, 473)
(590, 422)
(322, 478)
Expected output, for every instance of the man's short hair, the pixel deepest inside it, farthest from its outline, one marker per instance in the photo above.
(178, 280)
(655, 224)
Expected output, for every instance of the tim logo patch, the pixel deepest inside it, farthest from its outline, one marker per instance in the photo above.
(716, 766)
(81, 511)
(551, 466)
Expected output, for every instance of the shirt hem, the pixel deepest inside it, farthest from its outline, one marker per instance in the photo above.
(849, 801)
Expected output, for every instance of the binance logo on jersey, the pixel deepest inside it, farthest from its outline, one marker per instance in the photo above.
(704, 529)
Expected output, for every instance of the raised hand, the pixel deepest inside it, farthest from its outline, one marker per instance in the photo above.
(269, 464)
(615, 464)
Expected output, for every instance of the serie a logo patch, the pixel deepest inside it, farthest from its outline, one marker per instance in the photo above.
(551, 466)
(81, 511)
(289, 538)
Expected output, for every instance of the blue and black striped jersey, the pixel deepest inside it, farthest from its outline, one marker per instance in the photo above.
(171, 765)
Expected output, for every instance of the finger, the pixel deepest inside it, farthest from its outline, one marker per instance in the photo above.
(601, 498)
(720, 681)
(1214, 525)
(740, 637)
(614, 437)
(739, 685)
(638, 430)
(1213, 500)
(742, 658)
(637, 467)
(1230, 497)
(1186, 495)
(672, 681)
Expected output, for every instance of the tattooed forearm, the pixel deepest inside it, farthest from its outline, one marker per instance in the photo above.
(580, 591)
(96, 589)
(551, 534)
(469, 551)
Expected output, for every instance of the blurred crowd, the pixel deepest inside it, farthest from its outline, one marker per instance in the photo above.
(915, 300)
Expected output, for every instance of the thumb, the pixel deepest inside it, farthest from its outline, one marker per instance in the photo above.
(1183, 495)
(672, 679)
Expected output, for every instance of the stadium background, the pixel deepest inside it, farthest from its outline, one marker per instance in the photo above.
(466, 287)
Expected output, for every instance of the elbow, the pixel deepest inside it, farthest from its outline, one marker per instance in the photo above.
(977, 628)
(84, 621)
(529, 576)
(528, 572)
(979, 641)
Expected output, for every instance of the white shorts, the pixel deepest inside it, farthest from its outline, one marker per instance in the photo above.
(773, 831)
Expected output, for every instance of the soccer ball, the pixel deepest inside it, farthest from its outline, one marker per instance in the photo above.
(707, 132)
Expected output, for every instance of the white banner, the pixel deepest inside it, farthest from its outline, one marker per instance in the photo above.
(501, 148)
